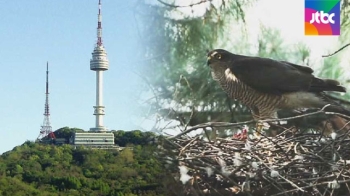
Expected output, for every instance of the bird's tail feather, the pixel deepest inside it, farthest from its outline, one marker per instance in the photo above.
(318, 85)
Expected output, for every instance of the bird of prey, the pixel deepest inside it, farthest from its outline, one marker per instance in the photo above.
(266, 85)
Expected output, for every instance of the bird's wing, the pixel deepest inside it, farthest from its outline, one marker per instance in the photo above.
(300, 67)
(270, 76)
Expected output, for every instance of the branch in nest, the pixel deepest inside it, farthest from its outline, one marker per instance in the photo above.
(312, 169)
(290, 163)
(225, 124)
(209, 124)
(295, 117)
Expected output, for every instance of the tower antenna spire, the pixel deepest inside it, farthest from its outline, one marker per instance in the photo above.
(47, 84)
(99, 25)
(99, 63)
(46, 129)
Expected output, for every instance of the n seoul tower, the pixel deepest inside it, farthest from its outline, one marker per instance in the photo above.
(99, 63)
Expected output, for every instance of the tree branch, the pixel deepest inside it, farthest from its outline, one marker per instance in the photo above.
(342, 48)
(179, 6)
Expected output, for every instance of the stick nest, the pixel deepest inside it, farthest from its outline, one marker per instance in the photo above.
(287, 164)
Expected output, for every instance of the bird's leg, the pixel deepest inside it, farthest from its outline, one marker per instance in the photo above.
(259, 128)
(273, 127)
(259, 125)
(260, 115)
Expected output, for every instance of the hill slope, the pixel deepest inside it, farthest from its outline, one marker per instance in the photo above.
(38, 169)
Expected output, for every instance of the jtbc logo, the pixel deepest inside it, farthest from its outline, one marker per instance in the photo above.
(316, 17)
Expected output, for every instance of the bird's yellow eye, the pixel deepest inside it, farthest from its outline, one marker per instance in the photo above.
(218, 56)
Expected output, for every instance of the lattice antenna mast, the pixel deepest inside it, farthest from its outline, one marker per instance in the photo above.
(47, 107)
(46, 129)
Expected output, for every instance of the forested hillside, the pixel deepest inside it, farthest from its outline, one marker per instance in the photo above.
(40, 169)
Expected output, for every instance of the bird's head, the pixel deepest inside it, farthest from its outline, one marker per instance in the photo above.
(218, 58)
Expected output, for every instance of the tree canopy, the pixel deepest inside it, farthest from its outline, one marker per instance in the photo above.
(40, 169)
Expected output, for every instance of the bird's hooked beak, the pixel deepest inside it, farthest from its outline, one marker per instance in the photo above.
(210, 56)
(208, 60)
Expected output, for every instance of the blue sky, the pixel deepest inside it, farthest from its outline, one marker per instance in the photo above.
(64, 33)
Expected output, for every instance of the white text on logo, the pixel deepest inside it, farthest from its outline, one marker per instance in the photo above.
(322, 17)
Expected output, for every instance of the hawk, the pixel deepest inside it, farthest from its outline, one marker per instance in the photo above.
(266, 85)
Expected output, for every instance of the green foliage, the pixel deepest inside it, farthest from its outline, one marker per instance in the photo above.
(272, 45)
(176, 46)
(136, 137)
(345, 22)
(38, 169)
(66, 132)
(180, 83)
